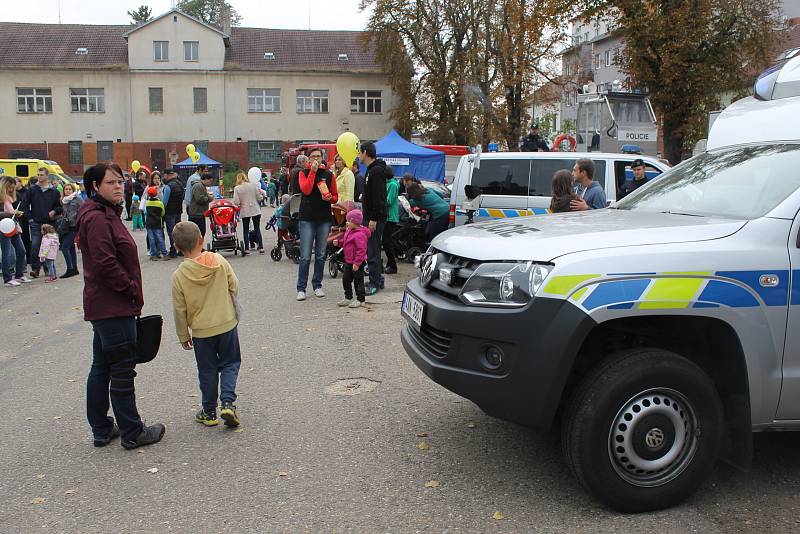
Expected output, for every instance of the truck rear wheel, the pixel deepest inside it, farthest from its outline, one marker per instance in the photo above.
(643, 430)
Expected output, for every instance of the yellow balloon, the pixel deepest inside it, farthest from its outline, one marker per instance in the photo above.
(190, 149)
(348, 146)
(195, 157)
(135, 165)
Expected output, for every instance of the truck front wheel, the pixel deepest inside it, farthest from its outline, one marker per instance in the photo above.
(643, 430)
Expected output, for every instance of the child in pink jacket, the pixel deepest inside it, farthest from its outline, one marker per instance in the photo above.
(48, 251)
(355, 255)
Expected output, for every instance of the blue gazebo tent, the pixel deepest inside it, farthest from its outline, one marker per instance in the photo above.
(404, 156)
(204, 160)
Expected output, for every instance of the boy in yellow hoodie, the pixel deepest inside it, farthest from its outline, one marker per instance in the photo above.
(204, 291)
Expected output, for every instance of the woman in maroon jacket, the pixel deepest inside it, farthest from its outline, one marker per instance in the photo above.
(112, 298)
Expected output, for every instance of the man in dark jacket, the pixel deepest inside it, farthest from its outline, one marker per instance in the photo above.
(359, 181)
(375, 211)
(300, 165)
(128, 196)
(534, 143)
(173, 205)
(42, 205)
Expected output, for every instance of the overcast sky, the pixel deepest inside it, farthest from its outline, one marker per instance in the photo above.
(293, 14)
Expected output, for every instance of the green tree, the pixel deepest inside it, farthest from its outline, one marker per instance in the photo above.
(141, 15)
(209, 11)
(688, 52)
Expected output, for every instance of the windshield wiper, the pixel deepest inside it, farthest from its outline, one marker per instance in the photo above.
(681, 213)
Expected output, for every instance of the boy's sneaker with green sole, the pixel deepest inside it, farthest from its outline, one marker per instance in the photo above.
(228, 414)
(207, 418)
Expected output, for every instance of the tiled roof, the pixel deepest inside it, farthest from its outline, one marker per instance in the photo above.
(24, 45)
(54, 45)
(308, 50)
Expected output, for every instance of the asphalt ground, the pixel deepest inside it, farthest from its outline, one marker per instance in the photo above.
(306, 460)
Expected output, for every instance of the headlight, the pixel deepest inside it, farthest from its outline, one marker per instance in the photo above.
(504, 284)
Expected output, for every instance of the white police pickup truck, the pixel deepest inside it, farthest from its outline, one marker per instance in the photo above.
(661, 332)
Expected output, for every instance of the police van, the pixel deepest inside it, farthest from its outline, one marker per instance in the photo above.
(518, 184)
(660, 332)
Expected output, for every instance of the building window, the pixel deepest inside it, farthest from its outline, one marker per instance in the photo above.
(312, 101)
(617, 55)
(160, 50)
(105, 151)
(597, 63)
(201, 146)
(608, 58)
(586, 37)
(87, 100)
(191, 50)
(75, 152)
(156, 100)
(200, 99)
(34, 100)
(263, 151)
(263, 101)
(365, 102)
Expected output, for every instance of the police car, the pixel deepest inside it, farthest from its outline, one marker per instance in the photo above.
(661, 332)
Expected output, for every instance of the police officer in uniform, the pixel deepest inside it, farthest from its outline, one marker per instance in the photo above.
(639, 178)
(534, 143)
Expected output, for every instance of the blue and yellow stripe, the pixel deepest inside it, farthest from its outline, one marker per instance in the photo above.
(506, 213)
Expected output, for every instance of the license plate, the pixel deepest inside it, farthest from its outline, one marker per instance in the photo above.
(413, 309)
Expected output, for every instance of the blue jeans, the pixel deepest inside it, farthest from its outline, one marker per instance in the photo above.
(68, 249)
(310, 233)
(50, 267)
(218, 360)
(36, 244)
(13, 257)
(156, 238)
(374, 256)
(171, 220)
(112, 373)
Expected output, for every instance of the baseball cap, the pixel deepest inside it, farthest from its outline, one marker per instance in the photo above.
(638, 162)
(170, 170)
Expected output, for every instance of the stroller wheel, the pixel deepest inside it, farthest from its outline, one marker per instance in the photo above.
(412, 253)
(275, 254)
(333, 267)
(294, 256)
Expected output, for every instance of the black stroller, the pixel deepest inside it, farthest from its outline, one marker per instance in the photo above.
(409, 239)
(287, 226)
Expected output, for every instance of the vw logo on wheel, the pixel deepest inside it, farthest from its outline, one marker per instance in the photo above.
(654, 438)
(427, 267)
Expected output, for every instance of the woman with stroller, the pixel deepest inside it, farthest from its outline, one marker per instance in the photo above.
(438, 209)
(247, 196)
(318, 189)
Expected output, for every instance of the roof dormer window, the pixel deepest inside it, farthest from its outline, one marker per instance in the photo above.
(82, 51)
(343, 57)
(269, 55)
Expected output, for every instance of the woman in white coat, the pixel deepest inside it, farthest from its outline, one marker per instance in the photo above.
(246, 196)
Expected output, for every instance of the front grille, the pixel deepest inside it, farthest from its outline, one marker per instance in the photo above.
(434, 341)
(463, 269)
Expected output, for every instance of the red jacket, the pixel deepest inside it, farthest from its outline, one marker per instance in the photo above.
(312, 206)
(112, 276)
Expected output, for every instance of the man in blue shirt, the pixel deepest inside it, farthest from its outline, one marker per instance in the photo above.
(591, 193)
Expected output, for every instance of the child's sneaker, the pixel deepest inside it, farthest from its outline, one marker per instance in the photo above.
(355, 304)
(228, 413)
(51, 279)
(344, 302)
(207, 418)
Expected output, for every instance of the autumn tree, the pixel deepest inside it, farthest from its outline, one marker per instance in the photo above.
(688, 52)
(141, 15)
(209, 11)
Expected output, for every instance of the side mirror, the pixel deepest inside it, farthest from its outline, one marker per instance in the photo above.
(472, 191)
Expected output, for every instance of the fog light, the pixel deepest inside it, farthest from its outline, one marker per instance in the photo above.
(446, 275)
(492, 358)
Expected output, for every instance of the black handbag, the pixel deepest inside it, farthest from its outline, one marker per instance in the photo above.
(148, 337)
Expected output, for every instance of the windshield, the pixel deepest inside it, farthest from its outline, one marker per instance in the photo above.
(631, 112)
(739, 183)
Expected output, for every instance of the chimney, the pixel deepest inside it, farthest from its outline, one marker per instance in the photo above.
(225, 18)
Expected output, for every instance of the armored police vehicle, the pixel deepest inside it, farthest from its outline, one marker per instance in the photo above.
(660, 332)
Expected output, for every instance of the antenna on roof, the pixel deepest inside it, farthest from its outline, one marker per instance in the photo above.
(59, 11)
(309, 14)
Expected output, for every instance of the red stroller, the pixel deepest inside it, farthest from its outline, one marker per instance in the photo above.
(223, 216)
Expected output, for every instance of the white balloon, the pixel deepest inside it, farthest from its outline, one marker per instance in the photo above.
(8, 227)
(254, 175)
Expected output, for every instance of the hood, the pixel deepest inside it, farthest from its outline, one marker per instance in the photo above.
(202, 269)
(361, 230)
(546, 237)
(378, 163)
(98, 204)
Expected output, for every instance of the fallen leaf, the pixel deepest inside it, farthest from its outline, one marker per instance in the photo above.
(56, 331)
(57, 417)
(70, 492)
(422, 434)
(252, 369)
(471, 424)
(76, 307)
(140, 451)
(433, 484)
(283, 474)
(498, 516)
(193, 395)
(240, 429)
(153, 470)
(423, 446)
(40, 477)
(71, 380)
(38, 500)
(29, 418)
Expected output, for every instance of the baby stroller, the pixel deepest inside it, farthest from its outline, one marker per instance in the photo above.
(409, 239)
(334, 254)
(223, 217)
(287, 226)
